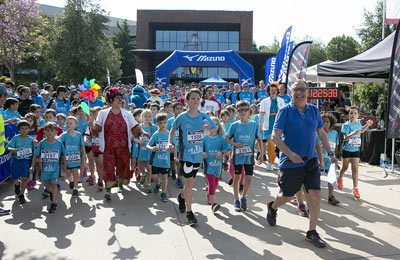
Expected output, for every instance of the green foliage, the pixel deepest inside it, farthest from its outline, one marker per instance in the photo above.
(3, 79)
(80, 47)
(125, 44)
(317, 53)
(371, 95)
(341, 48)
(273, 48)
(370, 31)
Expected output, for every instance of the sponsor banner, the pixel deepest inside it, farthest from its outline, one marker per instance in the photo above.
(270, 67)
(5, 159)
(283, 51)
(393, 129)
(284, 66)
(298, 63)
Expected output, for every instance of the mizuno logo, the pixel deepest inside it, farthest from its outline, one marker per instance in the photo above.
(190, 58)
(204, 58)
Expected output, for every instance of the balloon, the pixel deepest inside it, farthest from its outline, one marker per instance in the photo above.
(85, 108)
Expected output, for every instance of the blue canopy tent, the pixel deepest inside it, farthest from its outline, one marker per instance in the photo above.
(214, 80)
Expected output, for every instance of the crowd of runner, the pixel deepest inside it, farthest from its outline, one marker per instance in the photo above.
(153, 134)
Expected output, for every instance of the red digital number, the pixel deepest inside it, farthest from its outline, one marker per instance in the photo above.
(319, 93)
(325, 93)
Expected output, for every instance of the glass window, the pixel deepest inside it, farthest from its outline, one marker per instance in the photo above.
(172, 45)
(172, 36)
(212, 36)
(233, 36)
(180, 45)
(223, 72)
(158, 45)
(181, 36)
(222, 46)
(212, 71)
(233, 46)
(166, 46)
(202, 36)
(212, 46)
(232, 73)
(159, 35)
(223, 36)
(166, 36)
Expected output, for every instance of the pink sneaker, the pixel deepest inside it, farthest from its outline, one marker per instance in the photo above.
(31, 185)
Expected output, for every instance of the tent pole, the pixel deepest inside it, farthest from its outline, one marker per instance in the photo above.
(353, 95)
(383, 19)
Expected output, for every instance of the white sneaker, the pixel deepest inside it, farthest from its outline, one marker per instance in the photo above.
(269, 167)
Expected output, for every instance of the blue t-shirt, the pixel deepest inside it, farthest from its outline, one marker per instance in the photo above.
(50, 157)
(161, 158)
(191, 135)
(176, 138)
(354, 143)
(97, 103)
(233, 97)
(3, 114)
(220, 98)
(82, 126)
(10, 114)
(134, 149)
(333, 139)
(262, 94)
(72, 148)
(286, 98)
(298, 132)
(62, 107)
(42, 123)
(246, 134)
(144, 154)
(226, 126)
(213, 145)
(248, 96)
(38, 100)
(25, 147)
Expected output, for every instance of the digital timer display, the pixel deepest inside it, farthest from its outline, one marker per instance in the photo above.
(321, 93)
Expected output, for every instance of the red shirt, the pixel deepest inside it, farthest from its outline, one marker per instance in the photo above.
(40, 134)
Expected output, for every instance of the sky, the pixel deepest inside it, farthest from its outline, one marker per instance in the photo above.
(320, 19)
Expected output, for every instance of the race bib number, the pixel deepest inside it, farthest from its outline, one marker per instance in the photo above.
(24, 152)
(49, 155)
(162, 146)
(95, 141)
(73, 158)
(355, 141)
(332, 145)
(244, 151)
(195, 137)
(144, 138)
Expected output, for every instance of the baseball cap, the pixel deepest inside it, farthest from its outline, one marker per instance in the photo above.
(3, 90)
(44, 92)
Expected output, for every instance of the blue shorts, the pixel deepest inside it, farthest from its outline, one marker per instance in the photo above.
(19, 168)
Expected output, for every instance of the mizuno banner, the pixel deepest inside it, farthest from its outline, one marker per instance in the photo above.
(270, 67)
(284, 66)
(393, 122)
(298, 63)
(283, 51)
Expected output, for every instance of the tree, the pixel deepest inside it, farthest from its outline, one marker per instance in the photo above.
(370, 31)
(19, 23)
(125, 44)
(80, 47)
(273, 48)
(341, 48)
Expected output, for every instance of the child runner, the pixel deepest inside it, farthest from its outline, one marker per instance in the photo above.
(177, 108)
(74, 150)
(155, 109)
(191, 125)
(160, 156)
(33, 129)
(137, 114)
(144, 154)
(244, 133)
(352, 130)
(21, 148)
(37, 110)
(11, 107)
(49, 152)
(214, 149)
(98, 155)
(226, 125)
(61, 118)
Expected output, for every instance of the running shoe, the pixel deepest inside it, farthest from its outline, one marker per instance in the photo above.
(17, 188)
(294, 200)
(45, 193)
(75, 194)
(302, 211)
(340, 183)
(53, 208)
(21, 199)
(208, 200)
(243, 203)
(274, 168)
(4, 212)
(143, 179)
(191, 218)
(179, 183)
(100, 185)
(156, 189)
(181, 204)
(215, 207)
(148, 188)
(332, 200)
(91, 180)
(356, 193)
(271, 215)
(71, 185)
(31, 185)
(230, 182)
(164, 197)
(237, 206)
(313, 237)
(107, 196)
(173, 175)
(269, 167)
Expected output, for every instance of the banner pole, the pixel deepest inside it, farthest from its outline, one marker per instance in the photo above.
(393, 141)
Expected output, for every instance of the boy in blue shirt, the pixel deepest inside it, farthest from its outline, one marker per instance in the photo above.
(177, 109)
(160, 157)
(74, 150)
(21, 148)
(49, 151)
(241, 136)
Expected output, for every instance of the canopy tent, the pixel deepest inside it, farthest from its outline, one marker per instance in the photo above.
(214, 80)
(312, 76)
(371, 64)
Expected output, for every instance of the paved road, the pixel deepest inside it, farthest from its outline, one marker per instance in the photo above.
(136, 225)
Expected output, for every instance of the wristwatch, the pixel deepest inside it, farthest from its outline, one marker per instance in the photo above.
(330, 153)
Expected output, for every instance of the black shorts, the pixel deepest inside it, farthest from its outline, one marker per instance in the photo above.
(75, 167)
(248, 169)
(346, 154)
(171, 156)
(291, 179)
(189, 169)
(96, 154)
(88, 149)
(158, 170)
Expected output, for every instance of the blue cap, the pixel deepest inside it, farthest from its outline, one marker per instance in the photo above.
(3, 90)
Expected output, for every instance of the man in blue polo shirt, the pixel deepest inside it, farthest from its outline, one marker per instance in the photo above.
(35, 95)
(294, 133)
(245, 94)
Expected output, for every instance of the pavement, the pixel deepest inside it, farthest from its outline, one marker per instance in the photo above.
(137, 225)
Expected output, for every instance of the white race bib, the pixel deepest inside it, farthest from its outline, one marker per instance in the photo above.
(144, 138)
(73, 157)
(244, 151)
(355, 141)
(195, 137)
(95, 141)
(49, 155)
(162, 146)
(24, 152)
(332, 145)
